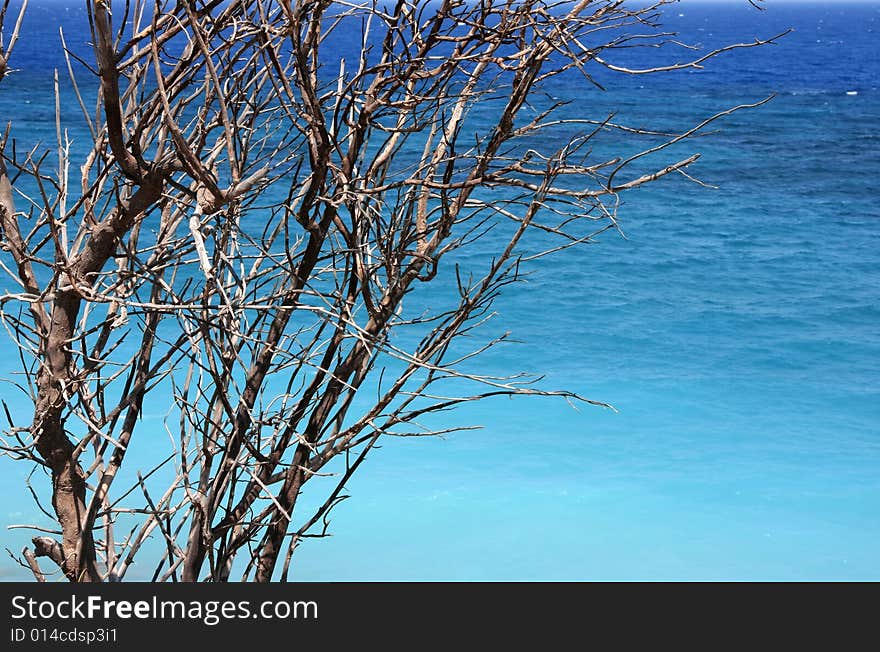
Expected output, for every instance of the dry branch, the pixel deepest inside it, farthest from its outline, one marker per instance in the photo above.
(255, 219)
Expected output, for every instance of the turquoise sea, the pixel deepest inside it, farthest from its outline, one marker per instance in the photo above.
(736, 331)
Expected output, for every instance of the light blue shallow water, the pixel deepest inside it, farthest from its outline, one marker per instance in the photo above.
(737, 332)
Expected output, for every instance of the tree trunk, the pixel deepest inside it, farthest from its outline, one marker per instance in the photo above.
(53, 445)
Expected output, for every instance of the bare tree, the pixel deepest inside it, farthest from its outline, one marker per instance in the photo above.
(255, 229)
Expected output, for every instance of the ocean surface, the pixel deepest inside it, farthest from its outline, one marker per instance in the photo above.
(736, 331)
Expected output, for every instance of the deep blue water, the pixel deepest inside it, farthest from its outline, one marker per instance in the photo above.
(736, 331)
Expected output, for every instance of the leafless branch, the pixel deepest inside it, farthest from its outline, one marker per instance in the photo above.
(244, 245)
